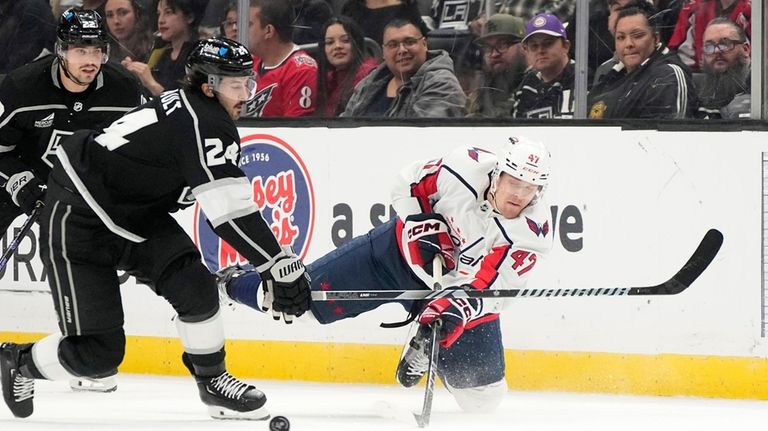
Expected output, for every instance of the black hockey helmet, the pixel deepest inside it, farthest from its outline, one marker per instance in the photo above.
(220, 56)
(80, 26)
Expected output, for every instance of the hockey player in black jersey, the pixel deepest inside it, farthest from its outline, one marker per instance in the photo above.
(51, 98)
(107, 208)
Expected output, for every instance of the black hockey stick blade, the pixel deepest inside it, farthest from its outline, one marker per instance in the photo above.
(422, 420)
(704, 255)
(6, 257)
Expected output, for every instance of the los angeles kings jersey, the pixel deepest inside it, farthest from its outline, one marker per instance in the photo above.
(286, 90)
(164, 154)
(36, 111)
(494, 252)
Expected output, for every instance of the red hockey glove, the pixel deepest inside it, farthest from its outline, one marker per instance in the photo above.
(454, 313)
(428, 235)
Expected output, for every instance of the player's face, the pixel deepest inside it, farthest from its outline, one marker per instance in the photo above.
(547, 53)
(234, 92)
(635, 40)
(84, 62)
(121, 19)
(405, 50)
(338, 47)
(512, 195)
(172, 24)
(722, 36)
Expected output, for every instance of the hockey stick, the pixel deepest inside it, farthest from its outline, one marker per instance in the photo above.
(429, 392)
(6, 257)
(704, 255)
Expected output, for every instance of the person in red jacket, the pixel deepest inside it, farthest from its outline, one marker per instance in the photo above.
(693, 19)
(343, 62)
(286, 76)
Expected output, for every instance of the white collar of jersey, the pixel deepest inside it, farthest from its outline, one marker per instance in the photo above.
(279, 63)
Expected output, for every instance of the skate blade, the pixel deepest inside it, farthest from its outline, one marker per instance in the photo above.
(105, 385)
(221, 413)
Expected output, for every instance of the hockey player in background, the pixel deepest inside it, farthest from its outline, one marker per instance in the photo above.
(483, 214)
(107, 208)
(51, 98)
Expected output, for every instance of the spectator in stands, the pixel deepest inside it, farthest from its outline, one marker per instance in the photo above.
(726, 65)
(342, 64)
(412, 81)
(649, 81)
(693, 19)
(503, 67)
(129, 27)
(228, 26)
(177, 22)
(373, 15)
(547, 88)
(286, 76)
(27, 31)
(311, 15)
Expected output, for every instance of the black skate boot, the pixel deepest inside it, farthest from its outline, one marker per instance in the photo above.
(415, 362)
(18, 390)
(229, 398)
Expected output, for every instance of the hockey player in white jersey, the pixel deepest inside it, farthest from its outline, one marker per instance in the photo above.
(483, 213)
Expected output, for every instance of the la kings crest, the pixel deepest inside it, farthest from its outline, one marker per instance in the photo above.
(255, 108)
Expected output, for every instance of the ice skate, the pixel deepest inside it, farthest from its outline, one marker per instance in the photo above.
(18, 391)
(229, 398)
(87, 384)
(415, 361)
(223, 277)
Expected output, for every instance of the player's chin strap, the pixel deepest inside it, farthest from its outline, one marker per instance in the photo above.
(413, 313)
(63, 64)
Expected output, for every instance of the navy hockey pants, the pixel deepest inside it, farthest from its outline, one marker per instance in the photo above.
(373, 262)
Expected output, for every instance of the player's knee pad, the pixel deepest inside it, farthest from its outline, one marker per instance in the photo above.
(189, 288)
(480, 399)
(93, 355)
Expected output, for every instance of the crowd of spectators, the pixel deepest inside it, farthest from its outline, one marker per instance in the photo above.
(432, 58)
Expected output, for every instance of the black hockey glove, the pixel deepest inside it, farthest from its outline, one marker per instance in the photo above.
(26, 191)
(286, 288)
(428, 235)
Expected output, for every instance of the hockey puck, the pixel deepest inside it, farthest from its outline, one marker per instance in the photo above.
(279, 423)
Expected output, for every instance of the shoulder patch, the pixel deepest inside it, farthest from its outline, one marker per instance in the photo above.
(474, 153)
(304, 60)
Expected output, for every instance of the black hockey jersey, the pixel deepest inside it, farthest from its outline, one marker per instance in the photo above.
(36, 111)
(144, 165)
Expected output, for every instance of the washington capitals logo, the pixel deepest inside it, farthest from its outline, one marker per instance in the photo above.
(537, 228)
(256, 106)
(475, 151)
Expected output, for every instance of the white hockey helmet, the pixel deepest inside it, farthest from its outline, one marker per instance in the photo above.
(524, 159)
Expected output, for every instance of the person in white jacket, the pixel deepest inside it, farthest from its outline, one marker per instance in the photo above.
(484, 214)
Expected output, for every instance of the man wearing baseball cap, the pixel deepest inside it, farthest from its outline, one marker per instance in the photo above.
(547, 88)
(503, 66)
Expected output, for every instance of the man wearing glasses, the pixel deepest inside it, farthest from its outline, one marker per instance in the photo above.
(412, 82)
(503, 67)
(724, 91)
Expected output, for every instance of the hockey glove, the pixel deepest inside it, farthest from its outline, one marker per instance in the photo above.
(26, 191)
(428, 235)
(454, 313)
(286, 288)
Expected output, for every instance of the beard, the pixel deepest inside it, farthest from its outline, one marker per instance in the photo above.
(719, 88)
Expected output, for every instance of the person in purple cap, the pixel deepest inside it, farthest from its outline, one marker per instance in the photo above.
(547, 89)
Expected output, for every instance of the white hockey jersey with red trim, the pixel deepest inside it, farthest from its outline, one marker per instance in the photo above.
(495, 252)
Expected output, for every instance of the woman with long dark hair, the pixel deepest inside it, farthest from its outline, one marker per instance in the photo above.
(342, 63)
(130, 28)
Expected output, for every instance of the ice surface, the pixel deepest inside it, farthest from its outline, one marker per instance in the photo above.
(171, 403)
